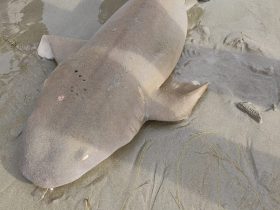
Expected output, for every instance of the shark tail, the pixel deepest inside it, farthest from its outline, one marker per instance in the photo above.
(190, 4)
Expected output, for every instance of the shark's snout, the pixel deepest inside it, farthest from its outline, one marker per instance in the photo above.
(50, 160)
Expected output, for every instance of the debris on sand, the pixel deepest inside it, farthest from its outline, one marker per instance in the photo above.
(250, 109)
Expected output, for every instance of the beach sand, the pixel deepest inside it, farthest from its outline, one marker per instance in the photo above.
(219, 158)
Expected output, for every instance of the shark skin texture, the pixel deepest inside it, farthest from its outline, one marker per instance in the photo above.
(104, 89)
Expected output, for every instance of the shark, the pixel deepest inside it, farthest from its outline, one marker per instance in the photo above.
(104, 89)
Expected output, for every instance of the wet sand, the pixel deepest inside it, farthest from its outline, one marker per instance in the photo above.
(220, 158)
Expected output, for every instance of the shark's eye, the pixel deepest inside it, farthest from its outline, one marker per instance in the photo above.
(81, 154)
(85, 157)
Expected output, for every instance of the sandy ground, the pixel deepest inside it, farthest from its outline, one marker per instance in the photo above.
(220, 158)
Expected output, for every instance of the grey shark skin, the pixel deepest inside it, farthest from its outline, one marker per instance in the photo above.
(104, 89)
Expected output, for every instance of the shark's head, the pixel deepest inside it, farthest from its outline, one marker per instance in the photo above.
(51, 159)
(57, 146)
(78, 122)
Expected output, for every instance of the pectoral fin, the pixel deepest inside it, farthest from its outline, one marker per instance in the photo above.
(58, 48)
(174, 101)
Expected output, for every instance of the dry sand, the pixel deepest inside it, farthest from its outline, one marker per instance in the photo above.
(220, 158)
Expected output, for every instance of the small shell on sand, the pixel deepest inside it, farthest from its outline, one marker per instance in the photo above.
(87, 204)
(250, 109)
(242, 42)
(274, 107)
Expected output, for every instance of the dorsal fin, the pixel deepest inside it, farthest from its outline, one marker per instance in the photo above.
(174, 101)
